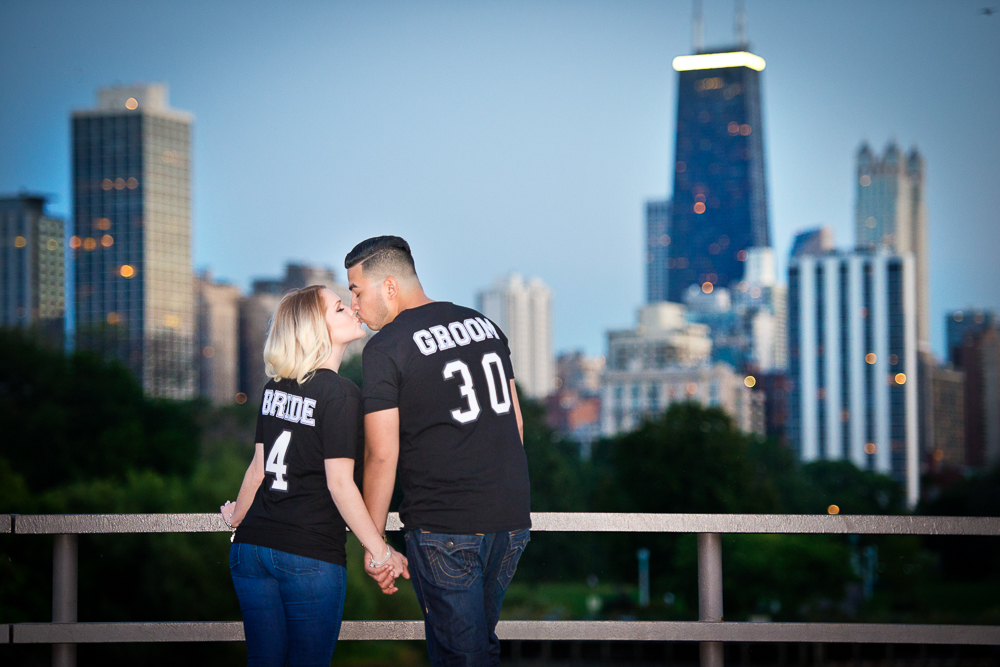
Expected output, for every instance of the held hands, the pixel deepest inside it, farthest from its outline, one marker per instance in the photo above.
(385, 575)
(227, 513)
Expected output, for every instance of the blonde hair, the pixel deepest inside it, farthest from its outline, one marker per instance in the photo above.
(298, 341)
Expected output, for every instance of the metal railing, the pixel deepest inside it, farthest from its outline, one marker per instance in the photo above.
(710, 630)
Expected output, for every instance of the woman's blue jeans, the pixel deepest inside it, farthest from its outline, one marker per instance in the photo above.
(460, 581)
(292, 606)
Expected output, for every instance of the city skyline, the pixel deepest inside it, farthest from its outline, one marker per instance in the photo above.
(440, 127)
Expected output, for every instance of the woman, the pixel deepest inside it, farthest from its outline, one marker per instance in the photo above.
(287, 560)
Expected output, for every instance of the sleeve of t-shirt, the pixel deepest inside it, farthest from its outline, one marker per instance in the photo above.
(339, 428)
(508, 368)
(259, 437)
(381, 380)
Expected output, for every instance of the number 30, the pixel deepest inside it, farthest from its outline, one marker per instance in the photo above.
(472, 409)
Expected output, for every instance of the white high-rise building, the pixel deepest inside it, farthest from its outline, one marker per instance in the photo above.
(523, 311)
(852, 332)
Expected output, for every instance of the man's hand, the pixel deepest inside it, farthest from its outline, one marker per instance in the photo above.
(385, 574)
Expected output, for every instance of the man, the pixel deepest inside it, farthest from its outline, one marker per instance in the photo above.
(439, 398)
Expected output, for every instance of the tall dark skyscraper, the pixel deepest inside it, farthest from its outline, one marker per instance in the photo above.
(719, 196)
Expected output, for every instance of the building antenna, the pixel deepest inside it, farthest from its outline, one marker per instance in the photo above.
(740, 24)
(698, 29)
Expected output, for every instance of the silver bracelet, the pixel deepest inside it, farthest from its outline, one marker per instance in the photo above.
(385, 560)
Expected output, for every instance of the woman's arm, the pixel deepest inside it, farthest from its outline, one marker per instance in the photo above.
(350, 504)
(251, 481)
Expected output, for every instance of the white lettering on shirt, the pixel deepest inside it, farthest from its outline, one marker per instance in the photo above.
(459, 334)
(289, 407)
(307, 412)
(278, 404)
(293, 411)
(491, 332)
(442, 336)
(475, 330)
(425, 342)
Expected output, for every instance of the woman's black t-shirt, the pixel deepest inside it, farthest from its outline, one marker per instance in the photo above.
(301, 426)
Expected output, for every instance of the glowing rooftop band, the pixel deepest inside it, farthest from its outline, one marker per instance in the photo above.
(718, 61)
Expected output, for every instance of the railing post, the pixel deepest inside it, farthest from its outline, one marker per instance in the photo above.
(710, 593)
(64, 588)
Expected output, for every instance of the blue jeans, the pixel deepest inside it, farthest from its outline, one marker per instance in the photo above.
(292, 606)
(460, 582)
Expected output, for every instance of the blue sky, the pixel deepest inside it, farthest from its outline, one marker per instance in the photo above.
(510, 135)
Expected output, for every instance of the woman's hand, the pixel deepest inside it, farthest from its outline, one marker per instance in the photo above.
(227, 513)
(385, 575)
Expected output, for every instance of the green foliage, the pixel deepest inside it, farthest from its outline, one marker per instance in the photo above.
(69, 419)
(351, 369)
(691, 459)
(968, 558)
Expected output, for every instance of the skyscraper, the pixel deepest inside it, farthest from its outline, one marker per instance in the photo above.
(853, 362)
(31, 266)
(132, 241)
(890, 212)
(217, 339)
(719, 196)
(523, 311)
(657, 240)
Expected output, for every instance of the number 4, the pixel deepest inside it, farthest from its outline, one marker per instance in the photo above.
(276, 461)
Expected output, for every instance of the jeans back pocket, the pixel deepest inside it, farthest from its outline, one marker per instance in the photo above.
(453, 560)
(518, 540)
(293, 564)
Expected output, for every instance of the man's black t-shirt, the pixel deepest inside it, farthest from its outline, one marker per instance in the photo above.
(301, 426)
(461, 462)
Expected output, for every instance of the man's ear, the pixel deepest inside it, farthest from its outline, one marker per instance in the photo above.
(391, 287)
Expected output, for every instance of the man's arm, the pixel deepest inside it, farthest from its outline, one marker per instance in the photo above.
(517, 411)
(381, 455)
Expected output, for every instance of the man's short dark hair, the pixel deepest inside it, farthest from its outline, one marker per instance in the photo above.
(383, 256)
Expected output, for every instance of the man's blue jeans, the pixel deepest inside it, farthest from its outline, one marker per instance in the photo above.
(292, 606)
(460, 581)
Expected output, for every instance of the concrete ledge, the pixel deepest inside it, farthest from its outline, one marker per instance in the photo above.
(48, 524)
(764, 523)
(875, 633)
(6, 524)
(4, 633)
